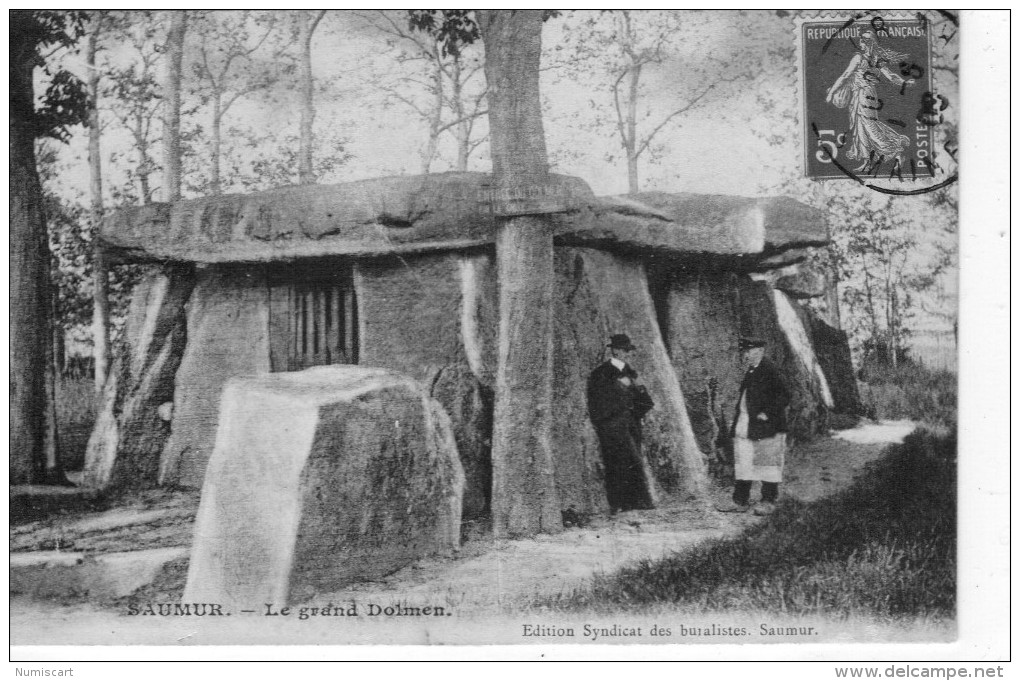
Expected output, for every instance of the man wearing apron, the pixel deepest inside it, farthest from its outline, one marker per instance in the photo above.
(758, 431)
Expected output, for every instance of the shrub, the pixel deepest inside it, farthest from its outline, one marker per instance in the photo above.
(884, 547)
(912, 391)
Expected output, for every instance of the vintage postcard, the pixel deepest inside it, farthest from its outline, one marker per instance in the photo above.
(498, 327)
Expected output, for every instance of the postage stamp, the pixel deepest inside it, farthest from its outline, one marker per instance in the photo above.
(871, 107)
(462, 328)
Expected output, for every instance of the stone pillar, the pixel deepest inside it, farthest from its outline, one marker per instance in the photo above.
(228, 336)
(321, 477)
(765, 315)
(703, 327)
(603, 294)
(130, 430)
(432, 317)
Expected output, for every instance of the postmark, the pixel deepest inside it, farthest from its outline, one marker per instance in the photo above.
(872, 109)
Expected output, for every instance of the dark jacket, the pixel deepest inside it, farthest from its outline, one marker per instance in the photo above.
(616, 409)
(609, 399)
(766, 394)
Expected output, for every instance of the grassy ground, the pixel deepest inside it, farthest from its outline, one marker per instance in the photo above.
(885, 547)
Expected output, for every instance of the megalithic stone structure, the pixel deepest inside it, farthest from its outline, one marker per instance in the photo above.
(400, 273)
(318, 478)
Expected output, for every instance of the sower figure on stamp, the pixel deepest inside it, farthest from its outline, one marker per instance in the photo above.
(616, 405)
(758, 431)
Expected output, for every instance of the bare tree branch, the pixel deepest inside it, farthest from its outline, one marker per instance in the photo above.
(619, 111)
(399, 96)
(687, 107)
(315, 21)
(468, 117)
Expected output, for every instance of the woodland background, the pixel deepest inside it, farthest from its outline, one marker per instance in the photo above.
(675, 101)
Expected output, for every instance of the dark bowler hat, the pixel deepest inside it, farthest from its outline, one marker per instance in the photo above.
(746, 343)
(620, 341)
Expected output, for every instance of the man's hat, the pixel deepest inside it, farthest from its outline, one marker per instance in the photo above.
(746, 343)
(620, 341)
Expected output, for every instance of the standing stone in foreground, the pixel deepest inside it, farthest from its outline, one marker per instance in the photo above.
(318, 478)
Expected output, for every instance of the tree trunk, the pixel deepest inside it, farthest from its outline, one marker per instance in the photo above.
(890, 324)
(631, 142)
(100, 268)
(172, 104)
(52, 470)
(463, 152)
(306, 175)
(215, 144)
(524, 498)
(436, 119)
(894, 330)
(876, 337)
(29, 262)
(632, 172)
(144, 167)
(462, 129)
(59, 343)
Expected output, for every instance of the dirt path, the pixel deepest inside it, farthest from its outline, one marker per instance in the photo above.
(491, 577)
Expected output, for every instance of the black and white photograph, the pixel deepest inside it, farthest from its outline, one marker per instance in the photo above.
(522, 328)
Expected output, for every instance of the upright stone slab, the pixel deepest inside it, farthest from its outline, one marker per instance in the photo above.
(228, 336)
(620, 302)
(433, 317)
(318, 478)
(793, 322)
(127, 440)
(802, 284)
(580, 346)
(702, 327)
(833, 351)
(768, 314)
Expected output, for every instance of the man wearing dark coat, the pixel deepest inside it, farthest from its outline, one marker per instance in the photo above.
(758, 431)
(616, 405)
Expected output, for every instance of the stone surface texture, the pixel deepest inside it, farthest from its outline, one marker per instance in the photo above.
(431, 316)
(832, 348)
(128, 437)
(701, 329)
(615, 298)
(452, 211)
(228, 337)
(322, 477)
(422, 253)
(759, 317)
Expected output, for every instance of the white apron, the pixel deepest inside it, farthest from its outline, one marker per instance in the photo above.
(757, 459)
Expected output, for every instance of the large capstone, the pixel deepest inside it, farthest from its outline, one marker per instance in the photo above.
(443, 212)
(319, 478)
